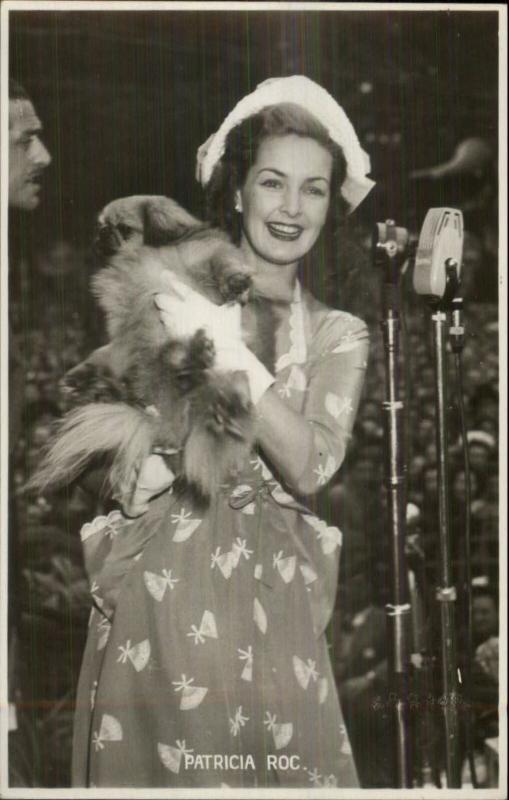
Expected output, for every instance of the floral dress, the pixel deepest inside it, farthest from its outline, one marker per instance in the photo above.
(207, 662)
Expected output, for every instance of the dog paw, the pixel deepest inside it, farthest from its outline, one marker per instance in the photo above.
(175, 355)
(189, 360)
(79, 379)
(88, 383)
(201, 351)
(227, 413)
(79, 375)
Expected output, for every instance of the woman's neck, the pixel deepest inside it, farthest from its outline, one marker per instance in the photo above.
(275, 281)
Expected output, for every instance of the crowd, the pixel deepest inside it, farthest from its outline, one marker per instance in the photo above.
(357, 505)
(54, 592)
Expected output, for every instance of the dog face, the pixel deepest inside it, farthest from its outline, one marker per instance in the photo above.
(200, 255)
(130, 222)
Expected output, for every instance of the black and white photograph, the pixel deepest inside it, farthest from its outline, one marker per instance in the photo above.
(253, 340)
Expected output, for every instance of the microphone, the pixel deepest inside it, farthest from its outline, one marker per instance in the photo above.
(389, 240)
(389, 250)
(440, 245)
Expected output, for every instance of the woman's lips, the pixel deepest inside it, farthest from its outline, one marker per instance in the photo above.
(284, 231)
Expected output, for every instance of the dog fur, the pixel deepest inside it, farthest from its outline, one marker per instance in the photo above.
(145, 391)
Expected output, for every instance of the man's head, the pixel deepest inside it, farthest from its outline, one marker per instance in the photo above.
(28, 156)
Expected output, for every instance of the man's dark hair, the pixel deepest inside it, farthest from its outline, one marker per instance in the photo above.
(17, 91)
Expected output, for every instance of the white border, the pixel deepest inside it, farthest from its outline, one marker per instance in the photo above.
(237, 5)
(80, 5)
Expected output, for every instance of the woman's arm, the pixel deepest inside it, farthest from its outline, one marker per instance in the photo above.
(308, 448)
(285, 436)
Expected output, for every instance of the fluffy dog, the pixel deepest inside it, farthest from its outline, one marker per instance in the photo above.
(145, 391)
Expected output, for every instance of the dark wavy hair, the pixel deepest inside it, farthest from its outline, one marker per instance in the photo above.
(240, 153)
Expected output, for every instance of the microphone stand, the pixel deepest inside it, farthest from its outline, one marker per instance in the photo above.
(446, 591)
(422, 663)
(387, 255)
(457, 341)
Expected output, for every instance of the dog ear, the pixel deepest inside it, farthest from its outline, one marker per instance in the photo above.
(165, 221)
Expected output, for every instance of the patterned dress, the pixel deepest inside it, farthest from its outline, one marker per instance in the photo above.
(206, 662)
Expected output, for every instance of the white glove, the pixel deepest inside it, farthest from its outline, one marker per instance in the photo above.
(153, 478)
(185, 311)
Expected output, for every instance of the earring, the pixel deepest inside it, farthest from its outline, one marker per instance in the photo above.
(238, 206)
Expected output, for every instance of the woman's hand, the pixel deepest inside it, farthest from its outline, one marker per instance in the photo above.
(153, 478)
(185, 311)
(283, 434)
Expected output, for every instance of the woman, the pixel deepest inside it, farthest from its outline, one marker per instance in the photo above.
(206, 662)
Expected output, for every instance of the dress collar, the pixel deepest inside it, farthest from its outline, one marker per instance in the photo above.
(297, 352)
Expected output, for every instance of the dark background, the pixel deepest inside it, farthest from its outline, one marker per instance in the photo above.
(127, 97)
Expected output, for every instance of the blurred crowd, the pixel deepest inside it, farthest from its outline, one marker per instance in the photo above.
(358, 507)
(53, 591)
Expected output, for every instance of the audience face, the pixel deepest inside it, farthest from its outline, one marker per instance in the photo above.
(431, 452)
(430, 481)
(425, 431)
(479, 456)
(28, 157)
(459, 486)
(371, 428)
(371, 411)
(489, 425)
(491, 489)
(417, 465)
(487, 407)
(484, 617)
(60, 260)
(427, 377)
(363, 472)
(416, 497)
(428, 408)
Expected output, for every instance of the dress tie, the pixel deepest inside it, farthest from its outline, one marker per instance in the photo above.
(243, 494)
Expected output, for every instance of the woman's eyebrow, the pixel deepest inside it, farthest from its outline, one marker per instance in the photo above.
(272, 169)
(283, 174)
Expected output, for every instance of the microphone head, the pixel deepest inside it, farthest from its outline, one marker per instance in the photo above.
(441, 240)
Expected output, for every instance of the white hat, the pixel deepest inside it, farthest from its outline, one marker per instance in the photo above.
(301, 91)
(413, 512)
(481, 437)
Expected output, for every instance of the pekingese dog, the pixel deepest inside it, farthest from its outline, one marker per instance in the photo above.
(145, 391)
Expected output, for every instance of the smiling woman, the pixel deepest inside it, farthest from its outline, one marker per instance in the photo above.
(207, 644)
(285, 199)
(260, 134)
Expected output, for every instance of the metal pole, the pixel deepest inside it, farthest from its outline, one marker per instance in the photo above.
(398, 610)
(422, 664)
(446, 592)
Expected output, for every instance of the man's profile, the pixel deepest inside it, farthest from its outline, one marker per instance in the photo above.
(28, 157)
